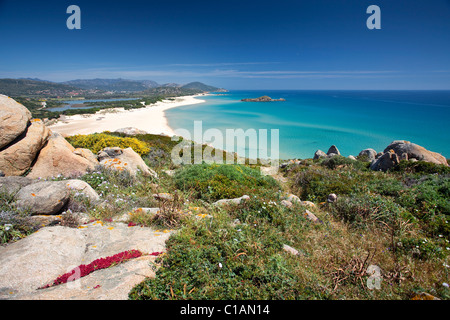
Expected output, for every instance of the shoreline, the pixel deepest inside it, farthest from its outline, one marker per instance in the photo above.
(151, 118)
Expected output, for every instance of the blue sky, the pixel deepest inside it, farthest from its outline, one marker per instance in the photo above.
(235, 44)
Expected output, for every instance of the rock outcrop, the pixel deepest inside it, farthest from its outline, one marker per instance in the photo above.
(41, 257)
(387, 161)
(58, 158)
(319, 154)
(124, 159)
(17, 157)
(407, 150)
(14, 119)
(404, 150)
(333, 151)
(369, 153)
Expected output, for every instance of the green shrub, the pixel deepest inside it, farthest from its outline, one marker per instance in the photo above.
(427, 196)
(421, 248)
(318, 183)
(13, 221)
(387, 186)
(421, 167)
(336, 161)
(8, 233)
(213, 182)
(361, 210)
(259, 208)
(223, 262)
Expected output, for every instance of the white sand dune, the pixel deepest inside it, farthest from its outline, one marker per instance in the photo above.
(151, 119)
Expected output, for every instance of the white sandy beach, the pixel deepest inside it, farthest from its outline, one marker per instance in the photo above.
(151, 119)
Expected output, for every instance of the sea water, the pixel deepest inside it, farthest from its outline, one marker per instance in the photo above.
(312, 120)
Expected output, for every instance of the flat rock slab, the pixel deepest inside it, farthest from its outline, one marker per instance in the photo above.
(40, 258)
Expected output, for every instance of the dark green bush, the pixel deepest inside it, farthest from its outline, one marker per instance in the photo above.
(421, 248)
(224, 262)
(363, 210)
(334, 162)
(318, 183)
(421, 167)
(213, 182)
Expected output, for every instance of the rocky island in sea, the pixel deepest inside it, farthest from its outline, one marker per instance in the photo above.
(262, 99)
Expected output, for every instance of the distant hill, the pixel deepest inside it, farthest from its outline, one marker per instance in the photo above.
(35, 79)
(117, 85)
(150, 83)
(171, 85)
(201, 86)
(90, 87)
(27, 87)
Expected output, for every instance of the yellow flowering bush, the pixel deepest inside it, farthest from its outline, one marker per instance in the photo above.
(97, 141)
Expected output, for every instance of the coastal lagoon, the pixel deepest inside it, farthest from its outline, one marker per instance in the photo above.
(312, 120)
(73, 103)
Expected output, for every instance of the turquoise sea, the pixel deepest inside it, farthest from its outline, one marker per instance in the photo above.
(311, 120)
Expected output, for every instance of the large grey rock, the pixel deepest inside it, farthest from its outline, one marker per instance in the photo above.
(14, 119)
(131, 131)
(385, 162)
(371, 154)
(231, 201)
(45, 197)
(319, 154)
(11, 185)
(40, 258)
(17, 157)
(124, 160)
(407, 150)
(82, 187)
(333, 151)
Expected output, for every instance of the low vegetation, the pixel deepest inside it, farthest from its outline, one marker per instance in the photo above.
(396, 221)
(98, 141)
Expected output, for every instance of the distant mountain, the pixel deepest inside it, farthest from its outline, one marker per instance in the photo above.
(88, 87)
(34, 79)
(117, 85)
(200, 86)
(27, 87)
(171, 85)
(150, 83)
